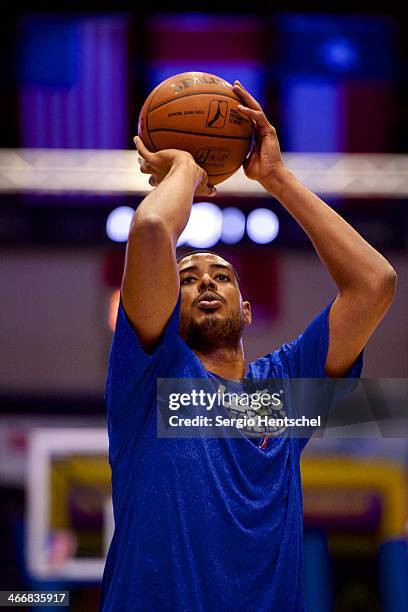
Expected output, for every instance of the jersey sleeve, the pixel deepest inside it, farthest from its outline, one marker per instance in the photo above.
(130, 389)
(305, 358)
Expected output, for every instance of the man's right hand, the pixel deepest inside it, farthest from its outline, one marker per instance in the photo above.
(160, 164)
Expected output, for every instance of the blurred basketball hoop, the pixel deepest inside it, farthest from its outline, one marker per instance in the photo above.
(69, 509)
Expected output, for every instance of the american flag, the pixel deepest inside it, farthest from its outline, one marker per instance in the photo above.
(74, 82)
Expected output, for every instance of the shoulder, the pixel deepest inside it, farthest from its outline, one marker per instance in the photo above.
(275, 364)
(304, 356)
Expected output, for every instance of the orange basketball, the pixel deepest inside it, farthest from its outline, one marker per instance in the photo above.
(197, 112)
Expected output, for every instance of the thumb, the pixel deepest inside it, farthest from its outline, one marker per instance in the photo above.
(141, 148)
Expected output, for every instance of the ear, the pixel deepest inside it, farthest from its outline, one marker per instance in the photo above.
(246, 309)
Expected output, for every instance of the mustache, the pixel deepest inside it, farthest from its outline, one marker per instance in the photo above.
(208, 295)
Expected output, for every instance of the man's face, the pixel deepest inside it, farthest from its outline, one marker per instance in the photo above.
(213, 314)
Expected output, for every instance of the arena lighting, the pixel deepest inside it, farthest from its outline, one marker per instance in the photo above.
(233, 225)
(118, 223)
(262, 225)
(114, 171)
(204, 227)
(339, 53)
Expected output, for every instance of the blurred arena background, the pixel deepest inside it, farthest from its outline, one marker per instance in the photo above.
(334, 83)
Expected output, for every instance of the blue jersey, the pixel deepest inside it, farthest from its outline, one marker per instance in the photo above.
(202, 523)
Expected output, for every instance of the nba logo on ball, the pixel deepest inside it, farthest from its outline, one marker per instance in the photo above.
(201, 119)
(217, 114)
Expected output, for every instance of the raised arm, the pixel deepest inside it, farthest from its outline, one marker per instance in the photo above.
(150, 283)
(366, 281)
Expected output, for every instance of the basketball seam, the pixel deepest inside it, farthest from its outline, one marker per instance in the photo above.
(219, 136)
(151, 141)
(147, 124)
(189, 96)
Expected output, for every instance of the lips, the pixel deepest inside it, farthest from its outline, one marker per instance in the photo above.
(209, 301)
(209, 305)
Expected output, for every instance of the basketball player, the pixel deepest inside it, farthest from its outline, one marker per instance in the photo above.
(208, 524)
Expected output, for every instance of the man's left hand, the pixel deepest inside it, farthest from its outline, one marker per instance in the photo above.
(265, 161)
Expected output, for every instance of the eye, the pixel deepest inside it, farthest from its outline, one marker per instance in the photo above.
(187, 280)
(223, 277)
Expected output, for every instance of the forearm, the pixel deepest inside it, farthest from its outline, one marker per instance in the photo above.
(350, 260)
(170, 202)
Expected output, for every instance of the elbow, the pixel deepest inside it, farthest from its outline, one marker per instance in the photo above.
(391, 283)
(148, 232)
(384, 286)
(148, 227)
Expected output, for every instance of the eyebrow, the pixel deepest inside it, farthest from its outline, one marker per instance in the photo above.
(189, 268)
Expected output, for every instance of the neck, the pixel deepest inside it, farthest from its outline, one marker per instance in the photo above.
(225, 362)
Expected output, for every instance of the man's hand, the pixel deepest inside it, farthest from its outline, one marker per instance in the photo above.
(160, 164)
(265, 162)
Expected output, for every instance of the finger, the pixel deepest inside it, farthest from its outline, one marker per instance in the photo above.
(153, 181)
(246, 96)
(256, 115)
(141, 148)
(244, 93)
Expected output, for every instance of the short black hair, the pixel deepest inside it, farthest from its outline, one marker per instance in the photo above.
(196, 251)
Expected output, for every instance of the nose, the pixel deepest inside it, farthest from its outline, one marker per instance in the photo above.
(206, 283)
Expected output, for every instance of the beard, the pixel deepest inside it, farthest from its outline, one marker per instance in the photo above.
(212, 332)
